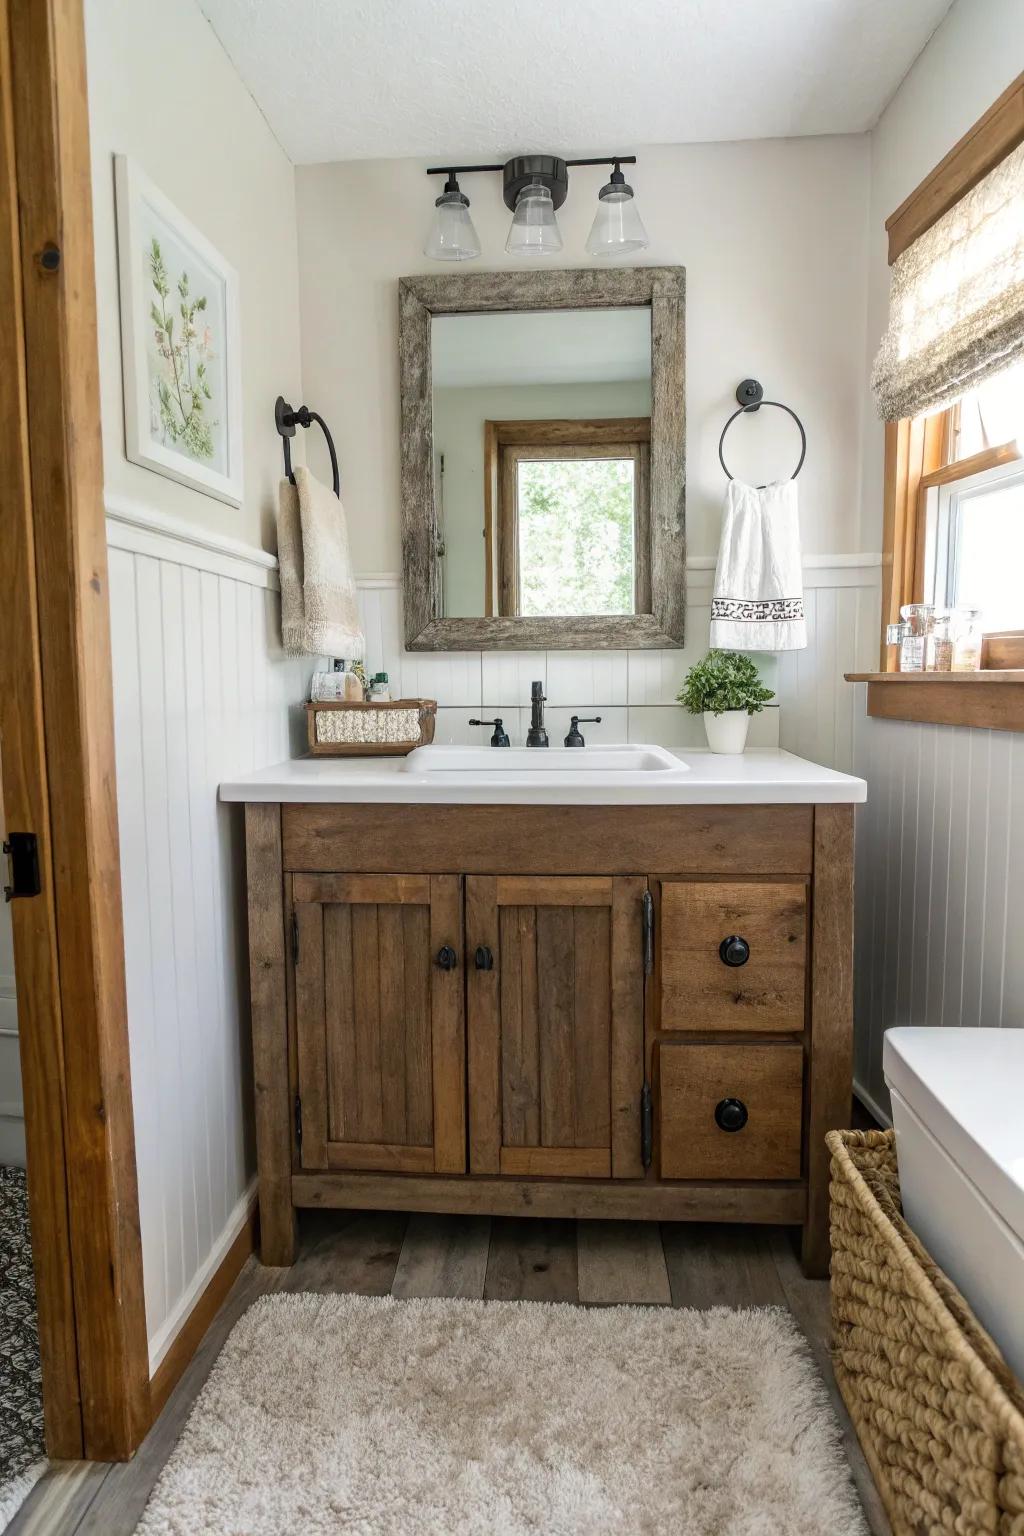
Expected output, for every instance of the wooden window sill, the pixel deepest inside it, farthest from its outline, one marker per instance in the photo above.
(993, 700)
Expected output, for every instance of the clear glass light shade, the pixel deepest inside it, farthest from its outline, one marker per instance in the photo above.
(534, 230)
(617, 226)
(452, 236)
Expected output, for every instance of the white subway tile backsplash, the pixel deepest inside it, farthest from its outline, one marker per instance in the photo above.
(584, 678)
(817, 708)
(450, 677)
(507, 675)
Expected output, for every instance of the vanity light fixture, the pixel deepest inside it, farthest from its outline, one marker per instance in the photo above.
(617, 226)
(452, 236)
(535, 187)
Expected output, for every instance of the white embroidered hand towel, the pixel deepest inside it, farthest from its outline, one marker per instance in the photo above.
(758, 603)
(319, 608)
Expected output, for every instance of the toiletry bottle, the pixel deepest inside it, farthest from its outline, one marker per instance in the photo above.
(380, 693)
(939, 644)
(967, 645)
(917, 617)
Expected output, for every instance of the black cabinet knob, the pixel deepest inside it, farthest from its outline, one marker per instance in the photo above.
(483, 958)
(731, 1115)
(734, 950)
(447, 959)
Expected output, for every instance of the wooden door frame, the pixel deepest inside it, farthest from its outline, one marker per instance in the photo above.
(56, 724)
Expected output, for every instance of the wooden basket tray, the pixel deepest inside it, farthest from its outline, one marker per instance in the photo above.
(419, 733)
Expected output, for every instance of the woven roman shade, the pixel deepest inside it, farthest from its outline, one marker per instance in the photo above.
(956, 307)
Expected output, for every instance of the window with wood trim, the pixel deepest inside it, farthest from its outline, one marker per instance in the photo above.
(567, 517)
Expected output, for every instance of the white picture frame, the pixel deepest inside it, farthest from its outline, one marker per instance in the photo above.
(182, 384)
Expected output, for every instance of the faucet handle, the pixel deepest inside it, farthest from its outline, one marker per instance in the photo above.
(575, 738)
(499, 738)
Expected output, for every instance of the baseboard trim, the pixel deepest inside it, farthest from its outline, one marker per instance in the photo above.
(207, 1304)
(872, 1104)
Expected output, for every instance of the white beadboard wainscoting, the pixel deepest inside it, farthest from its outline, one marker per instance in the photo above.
(634, 692)
(940, 883)
(202, 692)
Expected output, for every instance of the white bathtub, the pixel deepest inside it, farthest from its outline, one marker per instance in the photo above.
(958, 1113)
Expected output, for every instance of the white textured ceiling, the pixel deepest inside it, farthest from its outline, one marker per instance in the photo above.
(361, 79)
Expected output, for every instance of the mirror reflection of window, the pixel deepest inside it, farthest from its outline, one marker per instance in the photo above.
(542, 422)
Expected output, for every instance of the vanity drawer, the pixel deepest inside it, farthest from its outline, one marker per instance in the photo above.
(730, 1111)
(732, 955)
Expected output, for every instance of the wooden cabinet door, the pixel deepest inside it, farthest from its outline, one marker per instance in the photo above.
(379, 1014)
(555, 1025)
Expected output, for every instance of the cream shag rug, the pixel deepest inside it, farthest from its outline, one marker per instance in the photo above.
(373, 1417)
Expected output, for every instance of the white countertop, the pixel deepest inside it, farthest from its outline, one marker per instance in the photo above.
(757, 777)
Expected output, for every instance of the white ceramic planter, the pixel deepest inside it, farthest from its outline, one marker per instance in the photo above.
(727, 732)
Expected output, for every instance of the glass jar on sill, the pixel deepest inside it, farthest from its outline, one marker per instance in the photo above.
(938, 645)
(967, 640)
(917, 620)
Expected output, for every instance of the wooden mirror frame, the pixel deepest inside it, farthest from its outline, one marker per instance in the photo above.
(660, 289)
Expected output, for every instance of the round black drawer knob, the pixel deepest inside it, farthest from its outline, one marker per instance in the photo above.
(731, 1115)
(484, 959)
(447, 959)
(734, 950)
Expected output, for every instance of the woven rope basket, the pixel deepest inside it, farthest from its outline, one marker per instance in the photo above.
(938, 1413)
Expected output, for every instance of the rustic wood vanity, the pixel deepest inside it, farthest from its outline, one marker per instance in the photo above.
(628, 1010)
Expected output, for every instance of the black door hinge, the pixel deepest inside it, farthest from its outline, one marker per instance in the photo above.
(646, 1125)
(648, 909)
(23, 851)
(298, 1122)
(295, 938)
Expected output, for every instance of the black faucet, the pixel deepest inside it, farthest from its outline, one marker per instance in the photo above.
(500, 737)
(574, 739)
(537, 736)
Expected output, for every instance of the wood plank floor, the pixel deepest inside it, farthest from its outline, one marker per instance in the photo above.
(374, 1253)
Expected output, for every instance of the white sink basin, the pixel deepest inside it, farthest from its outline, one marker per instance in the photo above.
(631, 758)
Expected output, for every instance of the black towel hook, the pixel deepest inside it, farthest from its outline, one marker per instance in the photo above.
(286, 420)
(750, 395)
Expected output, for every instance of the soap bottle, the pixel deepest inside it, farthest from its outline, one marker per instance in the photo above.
(380, 692)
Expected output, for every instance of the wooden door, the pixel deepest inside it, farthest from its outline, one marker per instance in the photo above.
(555, 1025)
(380, 1024)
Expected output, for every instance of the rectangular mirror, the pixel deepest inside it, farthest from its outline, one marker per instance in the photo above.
(542, 457)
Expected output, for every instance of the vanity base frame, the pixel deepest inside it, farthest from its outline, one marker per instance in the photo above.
(479, 1131)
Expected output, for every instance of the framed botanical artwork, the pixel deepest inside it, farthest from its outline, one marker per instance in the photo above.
(179, 343)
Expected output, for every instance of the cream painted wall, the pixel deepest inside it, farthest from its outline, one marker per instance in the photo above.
(970, 59)
(162, 90)
(772, 235)
(459, 416)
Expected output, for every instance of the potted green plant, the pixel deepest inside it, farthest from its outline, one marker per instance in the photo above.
(726, 689)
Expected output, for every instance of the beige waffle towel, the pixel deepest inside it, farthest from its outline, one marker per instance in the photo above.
(319, 611)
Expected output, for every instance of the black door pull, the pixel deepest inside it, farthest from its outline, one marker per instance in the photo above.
(447, 959)
(483, 959)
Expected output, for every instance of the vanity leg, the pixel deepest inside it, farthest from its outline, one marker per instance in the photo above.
(830, 1089)
(270, 1031)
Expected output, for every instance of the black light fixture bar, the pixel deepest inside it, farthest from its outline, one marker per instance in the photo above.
(465, 170)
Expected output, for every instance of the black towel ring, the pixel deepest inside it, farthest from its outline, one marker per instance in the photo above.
(751, 398)
(286, 420)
